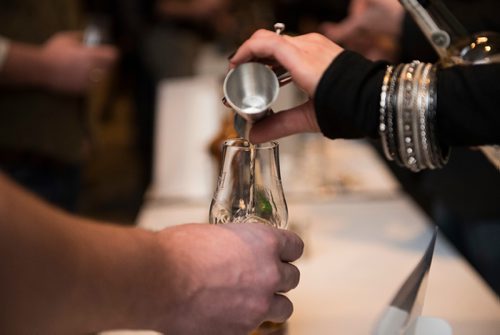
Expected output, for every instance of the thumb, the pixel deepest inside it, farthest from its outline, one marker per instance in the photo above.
(300, 119)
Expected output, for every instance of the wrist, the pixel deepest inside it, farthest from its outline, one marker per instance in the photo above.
(25, 65)
(144, 297)
(118, 279)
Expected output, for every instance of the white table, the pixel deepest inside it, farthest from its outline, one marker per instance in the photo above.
(358, 252)
(362, 235)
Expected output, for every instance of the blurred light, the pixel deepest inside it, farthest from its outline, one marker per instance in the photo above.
(482, 39)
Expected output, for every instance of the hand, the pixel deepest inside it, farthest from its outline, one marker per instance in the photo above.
(306, 57)
(72, 67)
(372, 28)
(226, 279)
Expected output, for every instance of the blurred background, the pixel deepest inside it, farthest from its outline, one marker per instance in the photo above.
(157, 40)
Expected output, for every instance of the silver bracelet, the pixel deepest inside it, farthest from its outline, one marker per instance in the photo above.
(439, 158)
(407, 120)
(401, 96)
(383, 127)
(409, 150)
(418, 91)
(423, 106)
(391, 102)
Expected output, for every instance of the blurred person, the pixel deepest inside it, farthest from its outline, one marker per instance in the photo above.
(372, 28)
(63, 274)
(381, 29)
(46, 73)
(159, 39)
(163, 39)
(345, 94)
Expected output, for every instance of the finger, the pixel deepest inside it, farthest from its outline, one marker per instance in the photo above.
(266, 44)
(290, 246)
(300, 119)
(280, 310)
(105, 56)
(291, 277)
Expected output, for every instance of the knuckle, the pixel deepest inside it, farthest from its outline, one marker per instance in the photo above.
(295, 276)
(288, 309)
(273, 277)
(286, 306)
(260, 33)
(258, 308)
(316, 37)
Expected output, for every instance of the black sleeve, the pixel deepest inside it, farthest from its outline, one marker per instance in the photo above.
(348, 95)
(468, 102)
(468, 105)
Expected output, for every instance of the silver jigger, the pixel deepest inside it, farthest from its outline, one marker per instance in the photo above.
(250, 89)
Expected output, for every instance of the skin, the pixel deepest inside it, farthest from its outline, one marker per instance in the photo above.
(63, 64)
(63, 274)
(372, 28)
(306, 57)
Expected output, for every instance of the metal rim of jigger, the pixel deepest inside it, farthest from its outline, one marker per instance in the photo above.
(251, 116)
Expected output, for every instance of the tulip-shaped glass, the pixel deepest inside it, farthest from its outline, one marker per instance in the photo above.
(249, 185)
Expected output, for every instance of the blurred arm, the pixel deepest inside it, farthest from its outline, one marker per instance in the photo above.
(23, 65)
(63, 64)
(64, 275)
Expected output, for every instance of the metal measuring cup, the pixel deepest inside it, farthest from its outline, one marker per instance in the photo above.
(250, 89)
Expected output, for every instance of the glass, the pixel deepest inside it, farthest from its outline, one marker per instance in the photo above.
(249, 189)
(249, 186)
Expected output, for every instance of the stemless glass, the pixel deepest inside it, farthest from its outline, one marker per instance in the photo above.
(249, 186)
(249, 190)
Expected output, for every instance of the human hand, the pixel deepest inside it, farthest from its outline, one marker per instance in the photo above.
(371, 28)
(72, 67)
(226, 279)
(306, 57)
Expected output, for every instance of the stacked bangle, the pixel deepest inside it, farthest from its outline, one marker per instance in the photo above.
(407, 122)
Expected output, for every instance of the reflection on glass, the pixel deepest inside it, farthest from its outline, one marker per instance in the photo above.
(249, 186)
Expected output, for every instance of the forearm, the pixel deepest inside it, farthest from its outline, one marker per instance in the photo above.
(348, 98)
(24, 66)
(62, 274)
(467, 105)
